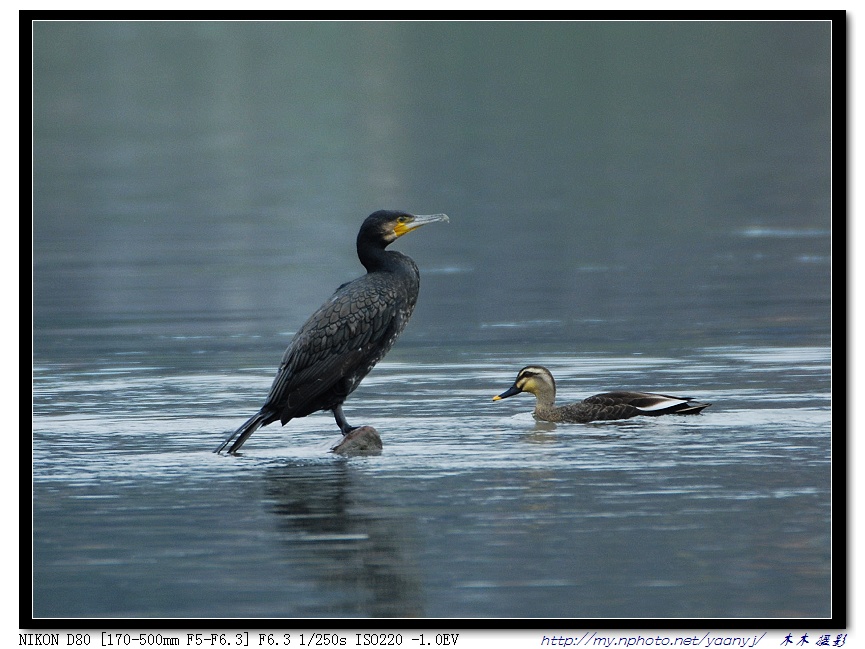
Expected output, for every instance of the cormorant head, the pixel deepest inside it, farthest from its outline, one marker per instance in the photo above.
(386, 226)
(534, 379)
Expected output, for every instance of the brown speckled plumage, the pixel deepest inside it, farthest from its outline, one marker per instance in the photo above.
(607, 406)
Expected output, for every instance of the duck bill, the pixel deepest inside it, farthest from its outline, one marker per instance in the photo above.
(418, 221)
(511, 391)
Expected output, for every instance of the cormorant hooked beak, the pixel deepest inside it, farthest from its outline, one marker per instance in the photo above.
(417, 221)
(511, 391)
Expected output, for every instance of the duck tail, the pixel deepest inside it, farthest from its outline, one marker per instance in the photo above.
(692, 408)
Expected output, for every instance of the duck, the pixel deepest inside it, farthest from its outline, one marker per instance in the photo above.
(620, 404)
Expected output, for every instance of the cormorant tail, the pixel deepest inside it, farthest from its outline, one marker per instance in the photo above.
(246, 429)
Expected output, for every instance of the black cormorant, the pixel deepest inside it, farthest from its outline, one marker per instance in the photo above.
(609, 405)
(341, 342)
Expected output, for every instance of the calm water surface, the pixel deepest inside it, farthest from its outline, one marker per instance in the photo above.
(472, 508)
(655, 217)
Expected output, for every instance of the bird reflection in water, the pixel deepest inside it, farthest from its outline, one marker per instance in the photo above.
(357, 551)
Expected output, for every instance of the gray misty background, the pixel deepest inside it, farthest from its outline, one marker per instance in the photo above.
(596, 174)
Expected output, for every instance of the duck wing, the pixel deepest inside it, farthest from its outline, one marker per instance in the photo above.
(641, 403)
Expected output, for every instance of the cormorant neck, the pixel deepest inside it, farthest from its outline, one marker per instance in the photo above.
(374, 257)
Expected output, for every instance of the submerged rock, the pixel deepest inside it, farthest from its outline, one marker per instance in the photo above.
(363, 440)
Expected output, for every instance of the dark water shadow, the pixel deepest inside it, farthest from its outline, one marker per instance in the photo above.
(355, 547)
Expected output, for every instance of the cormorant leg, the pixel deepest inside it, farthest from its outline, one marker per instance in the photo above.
(344, 426)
